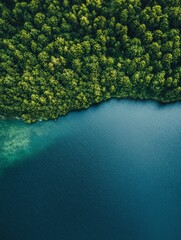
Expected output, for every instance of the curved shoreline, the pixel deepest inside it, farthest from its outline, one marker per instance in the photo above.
(157, 100)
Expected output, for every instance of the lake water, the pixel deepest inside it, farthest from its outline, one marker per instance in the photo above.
(112, 172)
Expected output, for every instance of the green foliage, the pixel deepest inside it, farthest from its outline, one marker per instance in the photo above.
(57, 56)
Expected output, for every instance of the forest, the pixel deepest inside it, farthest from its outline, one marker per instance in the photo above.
(63, 55)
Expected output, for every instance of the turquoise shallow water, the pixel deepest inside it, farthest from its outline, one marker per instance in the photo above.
(111, 172)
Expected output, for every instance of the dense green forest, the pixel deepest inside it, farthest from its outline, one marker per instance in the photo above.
(61, 55)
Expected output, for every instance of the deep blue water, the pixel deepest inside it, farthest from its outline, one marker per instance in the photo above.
(112, 172)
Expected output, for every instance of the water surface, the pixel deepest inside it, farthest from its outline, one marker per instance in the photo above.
(108, 173)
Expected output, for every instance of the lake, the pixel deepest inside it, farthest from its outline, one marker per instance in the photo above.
(112, 172)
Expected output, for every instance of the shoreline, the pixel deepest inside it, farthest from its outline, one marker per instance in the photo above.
(156, 100)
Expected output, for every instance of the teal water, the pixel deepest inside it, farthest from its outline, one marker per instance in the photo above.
(112, 172)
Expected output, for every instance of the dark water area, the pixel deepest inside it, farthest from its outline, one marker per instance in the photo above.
(112, 172)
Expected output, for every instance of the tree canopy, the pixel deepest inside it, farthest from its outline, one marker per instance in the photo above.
(61, 55)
